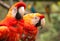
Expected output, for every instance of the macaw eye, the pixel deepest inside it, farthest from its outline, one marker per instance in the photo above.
(14, 11)
(35, 17)
(35, 20)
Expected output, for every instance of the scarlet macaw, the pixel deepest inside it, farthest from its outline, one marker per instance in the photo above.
(11, 26)
(31, 22)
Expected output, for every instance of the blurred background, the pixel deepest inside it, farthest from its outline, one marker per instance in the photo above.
(51, 10)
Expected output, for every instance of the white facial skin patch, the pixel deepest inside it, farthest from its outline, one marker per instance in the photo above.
(35, 20)
(21, 10)
(14, 11)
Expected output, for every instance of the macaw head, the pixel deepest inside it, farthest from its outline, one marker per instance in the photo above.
(17, 10)
(39, 19)
(36, 19)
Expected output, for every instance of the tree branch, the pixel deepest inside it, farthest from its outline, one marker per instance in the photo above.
(4, 4)
(11, 2)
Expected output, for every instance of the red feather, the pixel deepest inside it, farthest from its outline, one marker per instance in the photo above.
(19, 4)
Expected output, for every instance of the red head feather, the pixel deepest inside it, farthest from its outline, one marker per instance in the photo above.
(42, 16)
(19, 4)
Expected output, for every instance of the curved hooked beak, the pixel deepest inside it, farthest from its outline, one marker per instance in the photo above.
(21, 11)
(42, 23)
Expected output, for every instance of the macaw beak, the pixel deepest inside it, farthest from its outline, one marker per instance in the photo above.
(20, 13)
(42, 23)
(21, 10)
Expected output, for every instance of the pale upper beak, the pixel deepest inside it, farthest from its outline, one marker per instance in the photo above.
(21, 10)
(43, 22)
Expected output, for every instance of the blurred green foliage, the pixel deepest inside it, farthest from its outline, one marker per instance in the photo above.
(3, 12)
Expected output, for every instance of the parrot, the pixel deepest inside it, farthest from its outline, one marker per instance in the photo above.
(11, 28)
(31, 24)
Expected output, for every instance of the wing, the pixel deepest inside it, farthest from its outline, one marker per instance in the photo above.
(4, 32)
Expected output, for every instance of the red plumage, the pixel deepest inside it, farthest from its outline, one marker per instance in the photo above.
(14, 26)
(30, 30)
(42, 16)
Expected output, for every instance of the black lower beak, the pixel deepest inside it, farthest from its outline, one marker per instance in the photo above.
(38, 24)
(18, 16)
